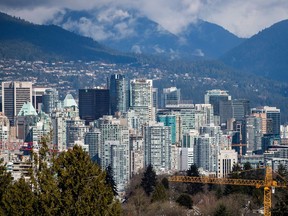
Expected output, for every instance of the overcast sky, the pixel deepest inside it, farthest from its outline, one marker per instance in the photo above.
(241, 17)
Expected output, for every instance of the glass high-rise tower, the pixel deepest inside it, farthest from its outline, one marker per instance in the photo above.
(119, 94)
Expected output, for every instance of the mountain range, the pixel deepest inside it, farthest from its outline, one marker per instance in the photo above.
(129, 31)
(24, 40)
(264, 54)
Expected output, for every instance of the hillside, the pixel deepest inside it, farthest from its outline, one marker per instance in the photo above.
(23, 40)
(133, 32)
(264, 54)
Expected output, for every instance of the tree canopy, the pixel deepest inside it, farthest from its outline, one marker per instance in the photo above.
(69, 184)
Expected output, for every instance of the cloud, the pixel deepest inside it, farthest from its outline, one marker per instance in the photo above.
(243, 18)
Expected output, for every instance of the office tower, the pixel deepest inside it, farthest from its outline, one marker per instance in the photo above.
(254, 133)
(169, 120)
(50, 99)
(4, 131)
(93, 140)
(119, 94)
(226, 160)
(141, 98)
(187, 149)
(75, 131)
(270, 119)
(203, 115)
(157, 146)
(14, 95)
(239, 137)
(93, 104)
(58, 120)
(171, 96)
(237, 109)
(136, 154)
(214, 97)
(114, 150)
(37, 97)
(187, 119)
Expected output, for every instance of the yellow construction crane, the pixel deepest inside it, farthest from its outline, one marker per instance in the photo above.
(268, 184)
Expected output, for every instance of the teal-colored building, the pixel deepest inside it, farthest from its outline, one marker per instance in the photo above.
(169, 120)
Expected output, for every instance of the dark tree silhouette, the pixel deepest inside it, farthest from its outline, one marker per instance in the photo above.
(185, 200)
(149, 180)
(110, 180)
(194, 188)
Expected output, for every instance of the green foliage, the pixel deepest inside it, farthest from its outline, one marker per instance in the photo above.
(19, 199)
(185, 200)
(165, 183)
(221, 210)
(71, 185)
(159, 193)
(83, 185)
(149, 180)
(193, 188)
(110, 180)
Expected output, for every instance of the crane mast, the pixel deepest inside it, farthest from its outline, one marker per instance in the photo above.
(267, 184)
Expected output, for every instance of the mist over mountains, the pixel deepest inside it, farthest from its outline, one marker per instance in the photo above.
(129, 31)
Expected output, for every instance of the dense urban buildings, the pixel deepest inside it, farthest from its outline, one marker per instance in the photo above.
(14, 95)
(121, 127)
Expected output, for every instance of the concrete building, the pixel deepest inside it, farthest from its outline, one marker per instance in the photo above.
(171, 96)
(114, 150)
(205, 152)
(187, 149)
(14, 95)
(157, 146)
(254, 133)
(141, 98)
(136, 154)
(37, 97)
(214, 97)
(58, 120)
(4, 131)
(93, 140)
(271, 119)
(75, 131)
(226, 160)
(50, 100)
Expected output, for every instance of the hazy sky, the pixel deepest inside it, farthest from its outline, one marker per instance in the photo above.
(241, 17)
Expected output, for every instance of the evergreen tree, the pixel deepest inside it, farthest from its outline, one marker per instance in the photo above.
(193, 188)
(159, 193)
(18, 199)
(185, 200)
(165, 183)
(149, 180)
(44, 182)
(5, 182)
(83, 185)
(110, 180)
